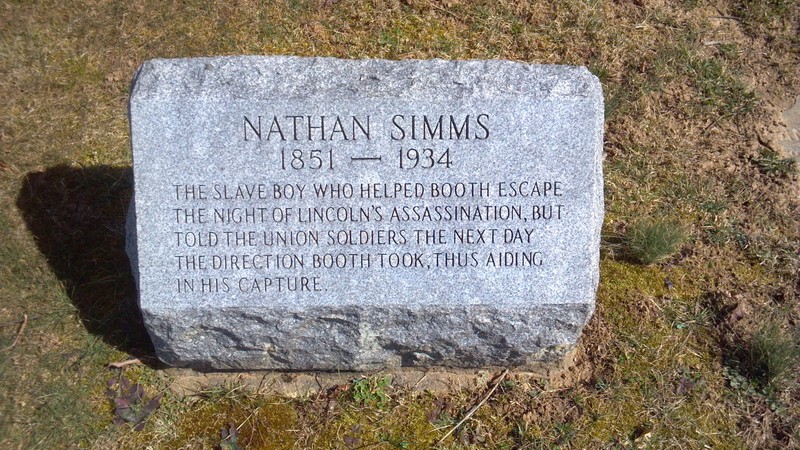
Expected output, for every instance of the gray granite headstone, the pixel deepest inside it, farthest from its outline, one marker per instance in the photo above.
(790, 138)
(318, 213)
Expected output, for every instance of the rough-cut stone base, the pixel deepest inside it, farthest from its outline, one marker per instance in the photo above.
(362, 338)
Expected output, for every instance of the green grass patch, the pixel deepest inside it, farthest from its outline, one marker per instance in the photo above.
(650, 242)
(721, 91)
(762, 11)
(773, 355)
(371, 391)
(771, 163)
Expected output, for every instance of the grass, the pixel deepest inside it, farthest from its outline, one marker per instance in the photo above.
(773, 355)
(371, 391)
(655, 241)
(771, 163)
(720, 91)
(673, 350)
(762, 11)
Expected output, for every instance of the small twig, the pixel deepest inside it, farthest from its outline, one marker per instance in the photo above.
(423, 377)
(16, 322)
(717, 119)
(261, 383)
(449, 13)
(764, 142)
(474, 409)
(321, 390)
(121, 364)
(19, 333)
(252, 413)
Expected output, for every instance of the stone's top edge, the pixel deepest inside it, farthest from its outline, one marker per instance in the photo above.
(356, 310)
(444, 307)
(294, 76)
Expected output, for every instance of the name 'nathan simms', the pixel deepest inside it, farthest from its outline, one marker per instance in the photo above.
(352, 128)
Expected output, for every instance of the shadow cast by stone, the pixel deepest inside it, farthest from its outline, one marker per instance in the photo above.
(77, 215)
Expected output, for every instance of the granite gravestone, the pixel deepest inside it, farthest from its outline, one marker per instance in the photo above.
(318, 213)
(790, 139)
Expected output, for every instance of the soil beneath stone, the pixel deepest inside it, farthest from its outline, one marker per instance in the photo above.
(301, 384)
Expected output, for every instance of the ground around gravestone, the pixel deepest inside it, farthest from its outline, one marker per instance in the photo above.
(691, 344)
(304, 384)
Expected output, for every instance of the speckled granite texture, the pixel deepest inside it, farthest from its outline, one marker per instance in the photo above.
(504, 272)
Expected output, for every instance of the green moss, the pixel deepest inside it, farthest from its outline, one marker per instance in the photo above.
(621, 279)
(262, 423)
(664, 356)
(403, 425)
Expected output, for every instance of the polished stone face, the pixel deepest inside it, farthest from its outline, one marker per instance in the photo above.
(318, 213)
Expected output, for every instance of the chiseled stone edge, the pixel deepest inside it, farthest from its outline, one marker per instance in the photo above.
(358, 339)
(238, 77)
(131, 244)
